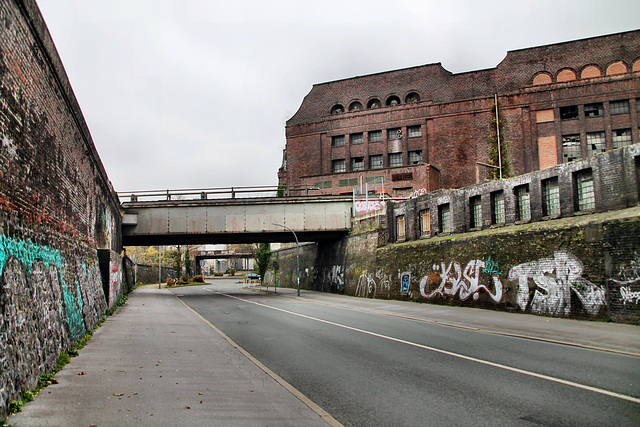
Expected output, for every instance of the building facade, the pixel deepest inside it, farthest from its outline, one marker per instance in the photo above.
(423, 128)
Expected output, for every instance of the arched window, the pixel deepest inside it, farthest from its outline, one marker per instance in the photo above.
(392, 101)
(337, 109)
(412, 98)
(355, 106)
(374, 103)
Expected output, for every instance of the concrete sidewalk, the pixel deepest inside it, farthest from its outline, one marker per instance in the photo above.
(600, 335)
(155, 362)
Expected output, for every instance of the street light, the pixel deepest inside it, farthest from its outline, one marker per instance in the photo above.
(297, 252)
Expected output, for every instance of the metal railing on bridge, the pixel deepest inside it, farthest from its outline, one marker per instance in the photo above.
(214, 193)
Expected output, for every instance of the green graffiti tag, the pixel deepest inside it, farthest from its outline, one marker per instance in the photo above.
(27, 253)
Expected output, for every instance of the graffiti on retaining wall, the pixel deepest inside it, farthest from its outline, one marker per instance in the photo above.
(370, 285)
(628, 283)
(454, 280)
(405, 281)
(554, 280)
(334, 277)
(27, 253)
(629, 296)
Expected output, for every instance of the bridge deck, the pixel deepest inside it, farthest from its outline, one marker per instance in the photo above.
(247, 220)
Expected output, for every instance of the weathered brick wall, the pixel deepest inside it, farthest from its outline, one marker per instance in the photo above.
(455, 110)
(60, 262)
(585, 267)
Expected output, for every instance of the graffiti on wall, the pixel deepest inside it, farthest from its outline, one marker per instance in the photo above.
(552, 281)
(405, 281)
(629, 282)
(452, 280)
(370, 285)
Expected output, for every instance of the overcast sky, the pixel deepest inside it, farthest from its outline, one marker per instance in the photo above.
(196, 93)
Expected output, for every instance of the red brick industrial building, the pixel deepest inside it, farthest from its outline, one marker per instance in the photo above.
(424, 128)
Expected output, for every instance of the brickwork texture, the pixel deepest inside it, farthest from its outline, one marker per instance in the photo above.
(60, 262)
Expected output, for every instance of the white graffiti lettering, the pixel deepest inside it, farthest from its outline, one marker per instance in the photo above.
(464, 283)
(368, 287)
(554, 279)
(628, 296)
(370, 206)
(419, 192)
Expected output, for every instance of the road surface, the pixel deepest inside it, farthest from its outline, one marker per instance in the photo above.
(368, 368)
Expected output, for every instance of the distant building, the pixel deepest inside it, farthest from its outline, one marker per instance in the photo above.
(424, 128)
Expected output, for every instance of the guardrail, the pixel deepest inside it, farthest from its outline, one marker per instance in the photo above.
(213, 193)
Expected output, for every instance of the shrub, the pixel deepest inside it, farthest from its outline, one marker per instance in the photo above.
(231, 271)
(199, 278)
(217, 274)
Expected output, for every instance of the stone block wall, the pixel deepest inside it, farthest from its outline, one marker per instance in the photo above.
(585, 267)
(60, 261)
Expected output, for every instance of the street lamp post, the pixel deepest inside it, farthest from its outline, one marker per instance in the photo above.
(297, 253)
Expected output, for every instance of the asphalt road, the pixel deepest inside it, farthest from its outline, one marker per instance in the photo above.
(371, 369)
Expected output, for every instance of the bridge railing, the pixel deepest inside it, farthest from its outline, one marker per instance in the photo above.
(213, 193)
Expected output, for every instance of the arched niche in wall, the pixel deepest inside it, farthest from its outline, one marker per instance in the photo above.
(355, 106)
(543, 78)
(617, 67)
(337, 109)
(412, 98)
(374, 103)
(636, 66)
(566, 75)
(392, 101)
(590, 71)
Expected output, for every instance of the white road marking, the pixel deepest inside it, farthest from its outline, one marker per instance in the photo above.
(448, 353)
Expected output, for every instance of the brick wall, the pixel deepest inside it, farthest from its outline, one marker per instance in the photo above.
(614, 175)
(60, 262)
(454, 111)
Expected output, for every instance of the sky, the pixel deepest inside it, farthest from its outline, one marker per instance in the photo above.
(196, 93)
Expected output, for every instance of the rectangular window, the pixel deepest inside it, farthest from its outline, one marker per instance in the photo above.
(523, 202)
(415, 157)
(425, 222)
(349, 182)
(619, 107)
(357, 163)
(596, 143)
(414, 131)
(401, 228)
(621, 138)
(395, 133)
(444, 218)
(375, 162)
(594, 110)
(402, 177)
(571, 147)
(323, 184)
(339, 166)
(375, 136)
(356, 138)
(568, 113)
(475, 205)
(497, 207)
(337, 141)
(583, 181)
(550, 197)
(395, 160)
